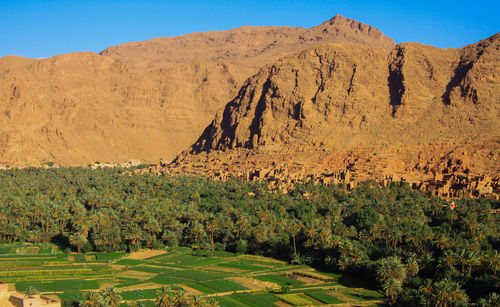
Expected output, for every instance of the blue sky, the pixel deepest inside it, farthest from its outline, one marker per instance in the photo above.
(45, 28)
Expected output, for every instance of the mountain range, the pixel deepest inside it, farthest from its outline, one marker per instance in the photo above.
(145, 101)
(339, 102)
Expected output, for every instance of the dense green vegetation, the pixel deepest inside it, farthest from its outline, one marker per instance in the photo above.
(411, 247)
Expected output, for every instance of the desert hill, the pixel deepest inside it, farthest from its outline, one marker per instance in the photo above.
(247, 48)
(143, 100)
(341, 113)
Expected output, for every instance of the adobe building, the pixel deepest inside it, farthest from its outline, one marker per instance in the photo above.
(16, 299)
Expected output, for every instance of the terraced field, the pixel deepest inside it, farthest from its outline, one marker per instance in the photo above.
(232, 279)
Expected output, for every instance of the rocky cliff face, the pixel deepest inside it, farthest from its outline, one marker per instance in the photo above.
(339, 96)
(420, 114)
(144, 100)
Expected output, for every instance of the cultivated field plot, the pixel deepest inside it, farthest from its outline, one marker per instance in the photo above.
(232, 279)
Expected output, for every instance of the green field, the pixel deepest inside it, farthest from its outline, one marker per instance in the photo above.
(233, 279)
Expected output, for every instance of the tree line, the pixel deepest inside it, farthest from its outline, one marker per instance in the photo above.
(416, 249)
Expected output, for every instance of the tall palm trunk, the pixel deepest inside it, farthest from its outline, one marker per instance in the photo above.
(294, 247)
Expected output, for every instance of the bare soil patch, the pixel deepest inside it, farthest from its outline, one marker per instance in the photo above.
(144, 286)
(255, 284)
(307, 280)
(107, 285)
(281, 304)
(190, 291)
(144, 254)
(135, 274)
(317, 275)
(118, 267)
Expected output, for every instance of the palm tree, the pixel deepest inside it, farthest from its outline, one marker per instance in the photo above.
(295, 227)
(392, 288)
(392, 236)
(471, 260)
(390, 268)
(197, 301)
(449, 258)
(442, 242)
(243, 226)
(163, 298)
(458, 295)
(111, 297)
(31, 291)
(152, 227)
(180, 298)
(448, 293)
(493, 262)
(344, 262)
(426, 290)
(78, 240)
(197, 233)
(92, 299)
(412, 266)
(211, 302)
(493, 299)
(212, 227)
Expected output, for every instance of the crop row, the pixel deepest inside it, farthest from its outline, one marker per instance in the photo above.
(324, 298)
(294, 299)
(45, 272)
(61, 285)
(219, 285)
(263, 299)
(258, 258)
(189, 275)
(40, 278)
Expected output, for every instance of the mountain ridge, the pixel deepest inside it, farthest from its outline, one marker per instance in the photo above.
(79, 108)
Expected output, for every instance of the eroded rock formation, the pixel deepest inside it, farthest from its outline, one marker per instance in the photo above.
(336, 113)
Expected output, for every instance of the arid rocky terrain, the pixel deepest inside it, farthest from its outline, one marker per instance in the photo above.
(146, 100)
(339, 102)
(338, 113)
